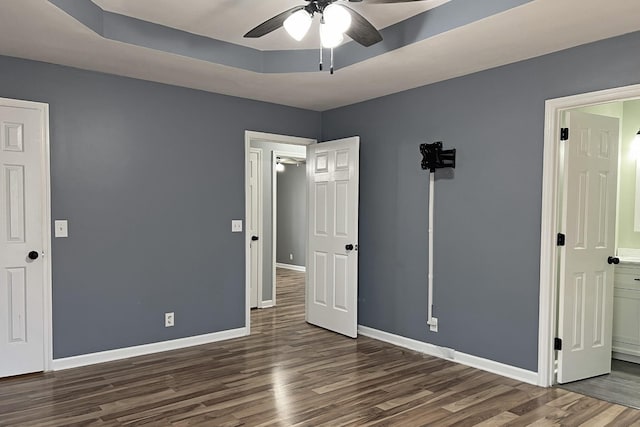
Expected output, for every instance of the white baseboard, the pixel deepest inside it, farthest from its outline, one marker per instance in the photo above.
(509, 371)
(266, 304)
(291, 267)
(626, 357)
(141, 350)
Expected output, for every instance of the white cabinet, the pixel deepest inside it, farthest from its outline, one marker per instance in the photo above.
(626, 312)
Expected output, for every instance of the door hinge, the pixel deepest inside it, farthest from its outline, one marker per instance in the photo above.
(560, 240)
(557, 343)
(564, 134)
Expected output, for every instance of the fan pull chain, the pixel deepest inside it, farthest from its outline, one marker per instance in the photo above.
(331, 61)
(320, 57)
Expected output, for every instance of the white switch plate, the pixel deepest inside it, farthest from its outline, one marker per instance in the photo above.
(236, 225)
(61, 227)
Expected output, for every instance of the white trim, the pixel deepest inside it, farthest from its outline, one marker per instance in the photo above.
(141, 350)
(250, 136)
(274, 224)
(636, 205)
(267, 304)
(46, 221)
(274, 212)
(498, 368)
(548, 249)
(47, 326)
(626, 357)
(260, 177)
(301, 268)
(280, 139)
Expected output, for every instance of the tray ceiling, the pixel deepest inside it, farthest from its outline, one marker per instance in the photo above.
(39, 30)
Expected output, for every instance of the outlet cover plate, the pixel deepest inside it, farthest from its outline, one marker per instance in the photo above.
(169, 319)
(433, 326)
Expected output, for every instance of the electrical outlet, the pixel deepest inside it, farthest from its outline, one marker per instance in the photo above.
(169, 319)
(236, 226)
(433, 325)
(291, 257)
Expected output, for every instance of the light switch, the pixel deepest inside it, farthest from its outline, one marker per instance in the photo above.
(236, 225)
(61, 228)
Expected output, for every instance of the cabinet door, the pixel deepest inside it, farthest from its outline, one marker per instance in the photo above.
(626, 311)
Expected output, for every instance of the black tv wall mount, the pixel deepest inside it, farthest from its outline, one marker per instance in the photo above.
(434, 157)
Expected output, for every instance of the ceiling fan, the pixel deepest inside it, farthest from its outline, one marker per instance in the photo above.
(336, 19)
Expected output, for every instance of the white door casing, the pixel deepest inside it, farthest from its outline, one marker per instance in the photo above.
(254, 221)
(585, 316)
(24, 229)
(332, 269)
(549, 251)
(249, 138)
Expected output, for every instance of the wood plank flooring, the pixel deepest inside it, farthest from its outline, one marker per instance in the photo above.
(289, 373)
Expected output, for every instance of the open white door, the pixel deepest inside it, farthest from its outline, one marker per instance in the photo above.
(22, 283)
(332, 252)
(585, 317)
(254, 222)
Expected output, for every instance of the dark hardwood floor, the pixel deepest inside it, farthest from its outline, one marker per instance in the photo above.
(290, 373)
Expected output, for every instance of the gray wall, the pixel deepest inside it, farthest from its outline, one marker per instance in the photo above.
(150, 177)
(487, 212)
(292, 214)
(267, 209)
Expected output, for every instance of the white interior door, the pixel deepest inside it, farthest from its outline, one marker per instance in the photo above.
(254, 222)
(585, 318)
(332, 253)
(21, 239)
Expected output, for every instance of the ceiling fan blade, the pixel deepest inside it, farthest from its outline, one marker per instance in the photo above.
(272, 24)
(361, 30)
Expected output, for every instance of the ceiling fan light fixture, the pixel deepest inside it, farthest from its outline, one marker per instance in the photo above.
(329, 37)
(297, 24)
(337, 17)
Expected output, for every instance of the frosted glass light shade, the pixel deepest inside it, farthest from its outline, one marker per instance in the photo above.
(337, 17)
(297, 25)
(329, 37)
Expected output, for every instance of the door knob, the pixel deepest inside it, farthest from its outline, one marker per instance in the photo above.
(349, 247)
(254, 238)
(613, 260)
(33, 255)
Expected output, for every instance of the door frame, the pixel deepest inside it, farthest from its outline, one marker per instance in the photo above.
(274, 212)
(249, 137)
(260, 248)
(45, 159)
(547, 318)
